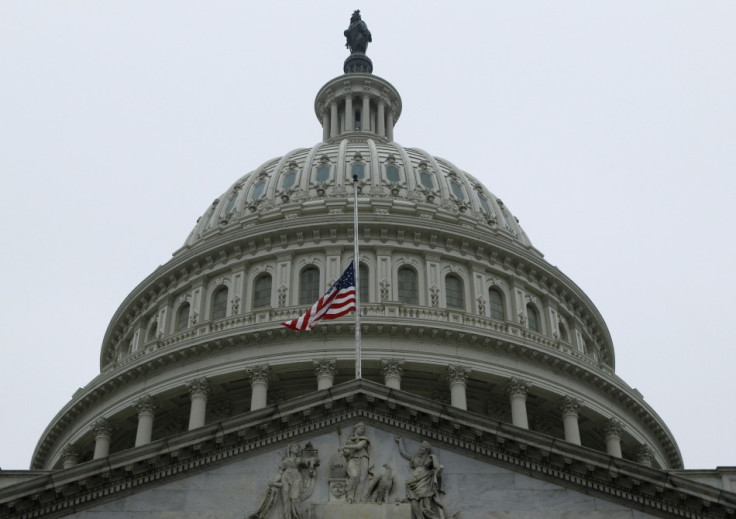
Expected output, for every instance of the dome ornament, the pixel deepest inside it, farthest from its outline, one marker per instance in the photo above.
(357, 38)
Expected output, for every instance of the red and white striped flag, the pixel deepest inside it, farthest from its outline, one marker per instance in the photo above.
(337, 301)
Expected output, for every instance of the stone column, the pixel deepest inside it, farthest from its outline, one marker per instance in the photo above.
(644, 455)
(570, 412)
(325, 125)
(349, 115)
(146, 409)
(365, 114)
(333, 119)
(199, 390)
(458, 377)
(613, 430)
(70, 455)
(325, 369)
(517, 390)
(390, 125)
(259, 377)
(103, 432)
(392, 369)
(381, 117)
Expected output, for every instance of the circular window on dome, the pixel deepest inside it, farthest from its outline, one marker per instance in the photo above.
(392, 170)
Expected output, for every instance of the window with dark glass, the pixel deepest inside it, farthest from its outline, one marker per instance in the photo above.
(454, 291)
(152, 331)
(392, 173)
(563, 333)
(363, 280)
(182, 317)
(323, 173)
(357, 169)
(258, 189)
(230, 207)
(495, 302)
(219, 303)
(457, 190)
(289, 179)
(425, 177)
(408, 290)
(262, 291)
(309, 286)
(533, 317)
(484, 204)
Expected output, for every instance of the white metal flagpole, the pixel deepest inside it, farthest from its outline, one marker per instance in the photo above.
(356, 269)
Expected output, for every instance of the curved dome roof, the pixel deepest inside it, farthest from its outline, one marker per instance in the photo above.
(308, 178)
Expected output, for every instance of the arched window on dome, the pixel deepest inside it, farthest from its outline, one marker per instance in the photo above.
(364, 283)
(262, 291)
(357, 169)
(392, 170)
(289, 178)
(258, 189)
(426, 177)
(309, 286)
(152, 331)
(230, 206)
(485, 204)
(457, 189)
(454, 292)
(219, 303)
(564, 336)
(495, 302)
(322, 173)
(408, 286)
(533, 318)
(182, 317)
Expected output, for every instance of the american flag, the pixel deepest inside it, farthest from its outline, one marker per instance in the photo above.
(337, 301)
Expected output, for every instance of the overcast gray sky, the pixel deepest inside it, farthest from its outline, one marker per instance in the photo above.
(608, 128)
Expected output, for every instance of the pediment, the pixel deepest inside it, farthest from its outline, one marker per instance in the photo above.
(489, 469)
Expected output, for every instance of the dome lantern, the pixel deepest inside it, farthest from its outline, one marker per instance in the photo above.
(357, 101)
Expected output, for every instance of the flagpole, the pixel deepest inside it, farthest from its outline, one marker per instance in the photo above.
(356, 267)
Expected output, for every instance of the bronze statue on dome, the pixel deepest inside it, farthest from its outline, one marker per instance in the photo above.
(357, 34)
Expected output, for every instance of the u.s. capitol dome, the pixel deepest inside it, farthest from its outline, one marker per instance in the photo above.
(458, 310)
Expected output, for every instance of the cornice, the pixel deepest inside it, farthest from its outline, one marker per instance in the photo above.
(651, 490)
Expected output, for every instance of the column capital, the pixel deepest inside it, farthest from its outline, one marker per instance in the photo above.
(70, 454)
(644, 454)
(517, 387)
(613, 428)
(392, 367)
(145, 404)
(458, 374)
(259, 374)
(325, 367)
(571, 406)
(198, 386)
(102, 427)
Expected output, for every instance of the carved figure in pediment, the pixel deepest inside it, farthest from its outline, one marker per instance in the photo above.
(382, 486)
(292, 485)
(424, 485)
(358, 469)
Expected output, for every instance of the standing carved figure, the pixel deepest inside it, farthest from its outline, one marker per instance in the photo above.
(293, 484)
(423, 486)
(357, 453)
(357, 34)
